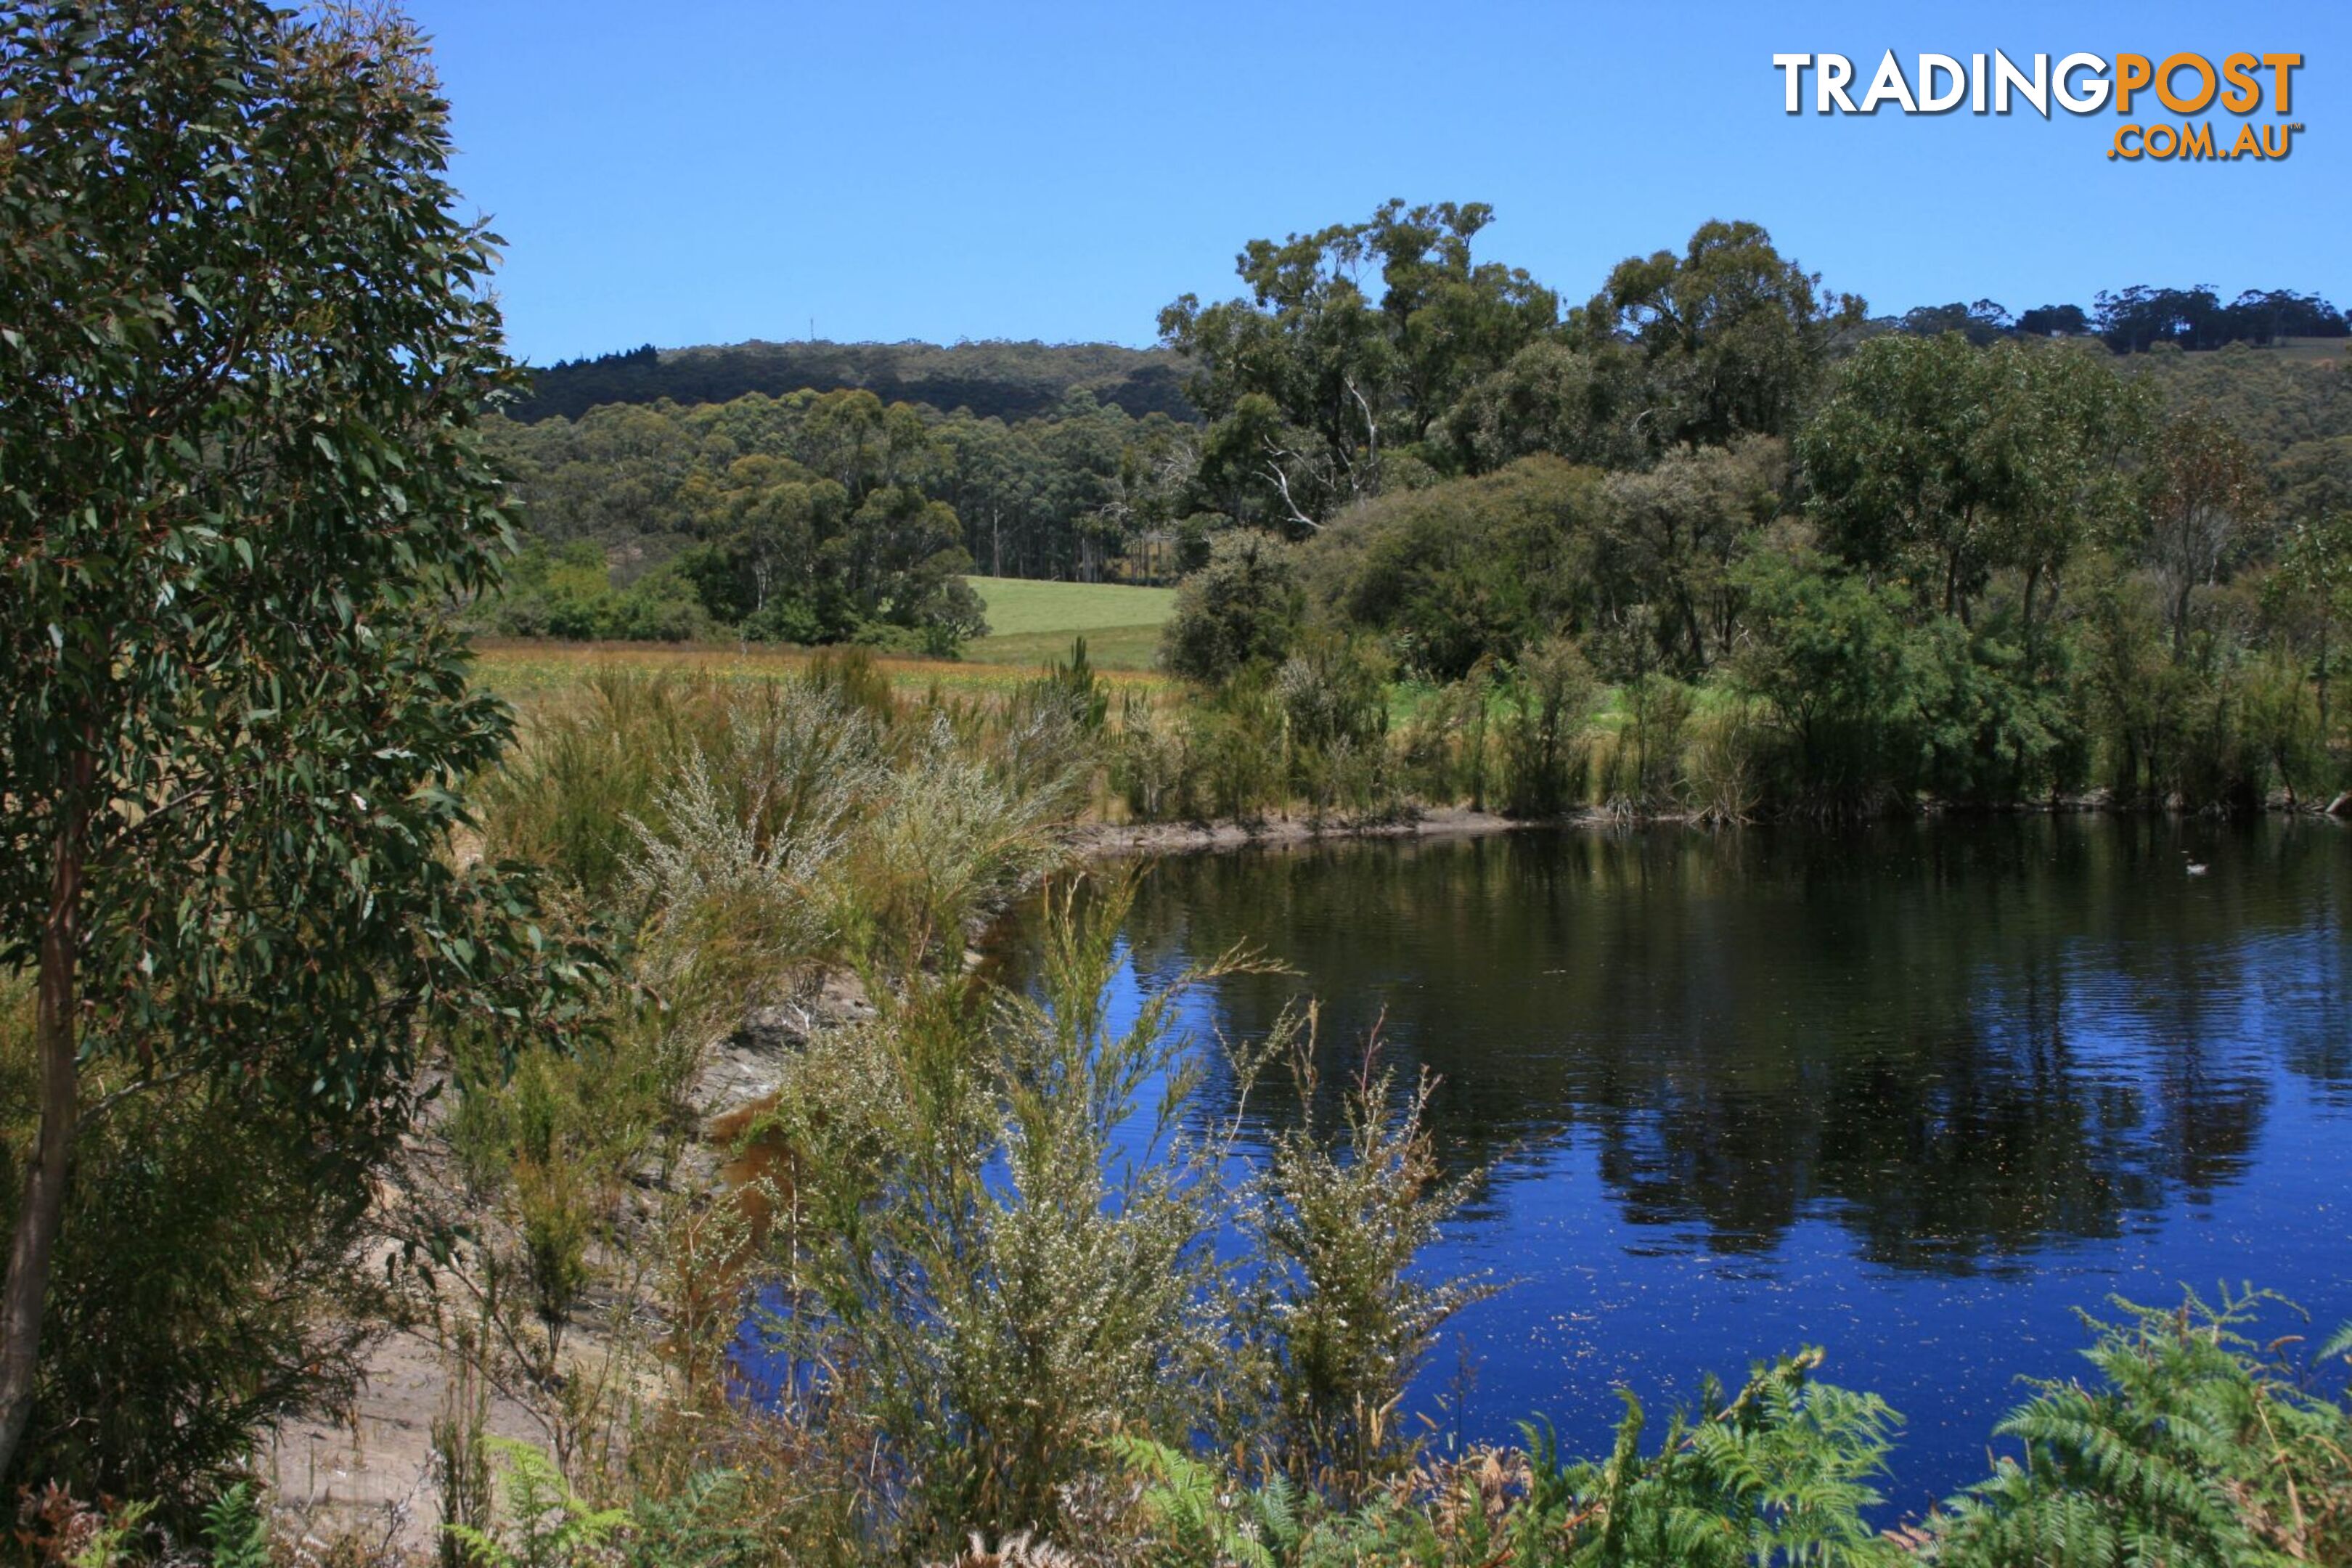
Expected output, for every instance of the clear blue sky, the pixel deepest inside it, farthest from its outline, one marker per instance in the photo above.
(704, 173)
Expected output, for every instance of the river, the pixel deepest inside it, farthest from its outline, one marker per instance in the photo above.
(1915, 1093)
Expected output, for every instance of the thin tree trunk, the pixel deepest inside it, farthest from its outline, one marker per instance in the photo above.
(25, 1298)
(2326, 741)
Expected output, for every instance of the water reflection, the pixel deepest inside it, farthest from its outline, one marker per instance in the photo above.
(1962, 1041)
(1918, 1091)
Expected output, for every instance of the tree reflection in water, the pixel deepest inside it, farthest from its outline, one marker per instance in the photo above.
(2003, 1050)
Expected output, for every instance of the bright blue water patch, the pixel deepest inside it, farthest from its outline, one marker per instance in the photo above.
(1916, 1094)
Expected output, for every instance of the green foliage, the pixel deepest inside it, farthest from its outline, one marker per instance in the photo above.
(2196, 1448)
(1732, 334)
(1665, 591)
(1464, 570)
(238, 723)
(547, 1525)
(1583, 404)
(1832, 658)
(1648, 754)
(1317, 392)
(1070, 690)
(826, 516)
(237, 1529)
(1149, 768)
(989, 1327)
(1234, 747)
(1442, 751)
(1551, 693)
(1344, 1208)
(1195, 1517)
(570, 594)
(2205, 489)
(205, 1287)
(993, 379)
(698, 1526)
(1936, 463)
(1334, 698)
(1243, 608)
(809, 519)
(1779, 1474)
(1723, 766)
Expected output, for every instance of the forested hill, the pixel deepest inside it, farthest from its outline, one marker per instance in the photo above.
(1007, 381)
(1012, 381)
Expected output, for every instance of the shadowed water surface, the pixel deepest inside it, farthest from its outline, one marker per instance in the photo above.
(1915, 1093)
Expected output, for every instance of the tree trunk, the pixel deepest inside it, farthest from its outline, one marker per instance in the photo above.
(24, 1296)
(2326, 739)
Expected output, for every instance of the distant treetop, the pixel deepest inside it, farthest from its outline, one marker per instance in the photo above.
(2137, 318)
(992, 379)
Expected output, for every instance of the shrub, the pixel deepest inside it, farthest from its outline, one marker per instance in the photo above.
(1723, 762)
(1551, 693)
(1337, 1221)
(1334, 697)
(1466, 569)
(1829, 653)
(547, 1525)
(206, 1286)
(1444, 747)
(1243, 607)
(1650, 772)
(1150, 765)
(992, 1326)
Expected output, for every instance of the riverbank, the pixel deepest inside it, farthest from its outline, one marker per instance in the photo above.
(1098, 840)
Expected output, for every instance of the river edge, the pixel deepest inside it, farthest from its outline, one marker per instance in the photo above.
(368, 1468)
(1091, 841)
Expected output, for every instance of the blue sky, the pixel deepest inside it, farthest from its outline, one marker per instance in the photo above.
(702, 172)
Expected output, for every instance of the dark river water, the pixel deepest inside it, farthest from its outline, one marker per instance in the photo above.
(1915, 1094)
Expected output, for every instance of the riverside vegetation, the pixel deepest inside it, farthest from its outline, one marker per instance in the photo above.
(1711, 543)
(1003, 1283)
(337, 1000)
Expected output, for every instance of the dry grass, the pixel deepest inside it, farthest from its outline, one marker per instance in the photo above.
(527, 672)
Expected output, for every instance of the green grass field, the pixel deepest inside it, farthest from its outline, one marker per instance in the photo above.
(1033, 623)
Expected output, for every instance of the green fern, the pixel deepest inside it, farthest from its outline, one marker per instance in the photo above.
(548, 1526)
(1778, 1475)
(2196, 1449)
(1199, 1522)
(237, 1529)
(697, 1528)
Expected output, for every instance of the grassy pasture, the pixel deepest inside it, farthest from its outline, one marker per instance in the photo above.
(1033, 623)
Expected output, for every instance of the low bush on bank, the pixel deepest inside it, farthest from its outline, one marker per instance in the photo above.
(984, 1269)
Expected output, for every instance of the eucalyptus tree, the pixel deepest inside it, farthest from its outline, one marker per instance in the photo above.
(2316, 566)
(1354, 341)
(2206, 486)
(1938, 463)
(244, 344)
(1733, 334)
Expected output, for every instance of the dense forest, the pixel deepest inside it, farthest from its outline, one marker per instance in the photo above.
(993, 379)
(1023, 380)
(1942, 555)
(1095, 463)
